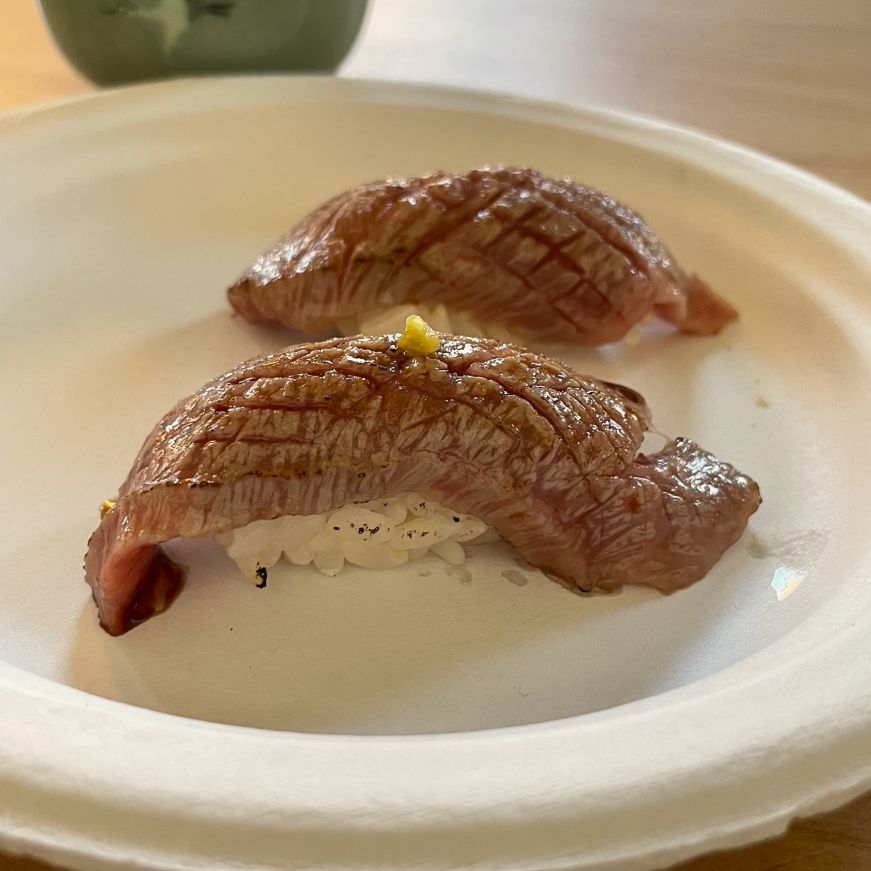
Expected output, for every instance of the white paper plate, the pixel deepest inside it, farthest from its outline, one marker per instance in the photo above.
(609, 732)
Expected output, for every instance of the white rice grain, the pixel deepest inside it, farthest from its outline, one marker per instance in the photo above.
(381, 534)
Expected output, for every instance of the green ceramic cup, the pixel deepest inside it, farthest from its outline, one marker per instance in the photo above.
(115, 41)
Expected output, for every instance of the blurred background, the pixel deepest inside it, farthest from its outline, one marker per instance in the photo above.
(790, 77)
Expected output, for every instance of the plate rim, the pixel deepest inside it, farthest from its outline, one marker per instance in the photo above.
(481, 751)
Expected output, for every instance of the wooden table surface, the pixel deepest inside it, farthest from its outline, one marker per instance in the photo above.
(790, 77)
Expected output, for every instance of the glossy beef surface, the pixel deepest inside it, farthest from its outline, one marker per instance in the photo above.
(539, 257)
(549, 458)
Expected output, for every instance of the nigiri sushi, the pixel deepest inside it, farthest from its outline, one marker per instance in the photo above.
(373, 448)
(507, 252)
